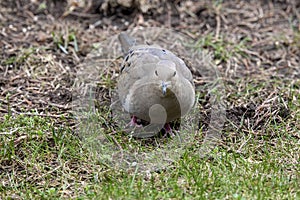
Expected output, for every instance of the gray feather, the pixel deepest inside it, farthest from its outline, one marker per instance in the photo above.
(144, 69)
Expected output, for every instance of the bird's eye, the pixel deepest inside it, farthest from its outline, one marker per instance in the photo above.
(156, 73)
(174, 73)
(126, 58)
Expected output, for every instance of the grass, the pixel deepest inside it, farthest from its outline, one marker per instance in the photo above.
(42, 159)
(222, 49)
(63, 41)
(45, 158)
(21, 57)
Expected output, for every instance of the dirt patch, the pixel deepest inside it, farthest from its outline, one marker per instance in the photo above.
(247, 39)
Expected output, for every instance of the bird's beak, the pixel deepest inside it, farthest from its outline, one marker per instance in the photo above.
(164, 87)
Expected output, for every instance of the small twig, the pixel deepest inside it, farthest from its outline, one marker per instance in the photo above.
(41, 114)
(49, 172)
(60, 106)
(85, 15)
(218, 19)
(244, 143)
(6, 70)
(119, 146)
(10, 132)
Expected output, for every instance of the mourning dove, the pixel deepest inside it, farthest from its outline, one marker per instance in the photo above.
(154, 85)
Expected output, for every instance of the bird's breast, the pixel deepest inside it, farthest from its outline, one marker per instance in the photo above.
(140, 100)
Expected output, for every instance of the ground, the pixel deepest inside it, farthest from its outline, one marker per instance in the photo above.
(255, 45)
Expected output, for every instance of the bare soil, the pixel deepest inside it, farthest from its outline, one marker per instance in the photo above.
(36, 75)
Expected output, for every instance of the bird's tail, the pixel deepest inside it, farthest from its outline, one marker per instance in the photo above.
(126, 42)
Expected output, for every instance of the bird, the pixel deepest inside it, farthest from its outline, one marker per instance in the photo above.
(154, 84)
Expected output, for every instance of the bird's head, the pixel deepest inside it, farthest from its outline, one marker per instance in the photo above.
(165, 72)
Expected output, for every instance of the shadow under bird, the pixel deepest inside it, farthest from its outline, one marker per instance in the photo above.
(154, 84)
